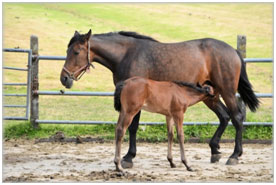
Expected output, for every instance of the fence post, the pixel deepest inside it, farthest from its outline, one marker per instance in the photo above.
(241, 47)
(34, 82)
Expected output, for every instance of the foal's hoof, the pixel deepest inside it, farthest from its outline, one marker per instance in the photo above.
(215, 158)
(119, 169)
(126, 164)
(232, 161)
(190, 169)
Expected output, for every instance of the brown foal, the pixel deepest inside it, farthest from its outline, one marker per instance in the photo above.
(168, 98)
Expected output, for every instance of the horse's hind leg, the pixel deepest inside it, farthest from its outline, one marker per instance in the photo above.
(170, 124)
(236, 117)
(222, 113)
(178, 119)
(123, 123)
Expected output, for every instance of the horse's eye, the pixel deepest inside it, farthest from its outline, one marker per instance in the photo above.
(76, 52)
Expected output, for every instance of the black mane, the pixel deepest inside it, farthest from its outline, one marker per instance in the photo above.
(128, 34)
(196, 87)
(136, 35)
(81, 37)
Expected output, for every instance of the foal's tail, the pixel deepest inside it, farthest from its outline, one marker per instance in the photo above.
(117, 96)
(245, 89)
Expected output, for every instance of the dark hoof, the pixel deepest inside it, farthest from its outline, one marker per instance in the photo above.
(126, 164)
(215, 158)
(190, 169)
(119, 169)
(232, 161)
(173, 165)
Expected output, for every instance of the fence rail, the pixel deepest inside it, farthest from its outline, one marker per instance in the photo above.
(258, 60)
(247, 60)
(83, 93)
(33, 82)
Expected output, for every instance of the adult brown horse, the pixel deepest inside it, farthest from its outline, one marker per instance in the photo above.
(129, 54)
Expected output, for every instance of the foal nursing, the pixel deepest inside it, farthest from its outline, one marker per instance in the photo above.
(168, 98)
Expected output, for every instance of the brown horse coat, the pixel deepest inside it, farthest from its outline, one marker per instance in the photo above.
(168, 98)
(128, 54)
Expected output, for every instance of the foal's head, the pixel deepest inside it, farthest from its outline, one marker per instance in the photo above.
(78, 59)
(208, 90)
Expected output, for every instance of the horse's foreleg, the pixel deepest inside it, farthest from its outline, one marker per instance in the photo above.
(180, 135)
(127, 159)
(123, 123)
(222, 113)
(170, 124)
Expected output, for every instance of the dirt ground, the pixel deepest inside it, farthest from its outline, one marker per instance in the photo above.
(28, 161)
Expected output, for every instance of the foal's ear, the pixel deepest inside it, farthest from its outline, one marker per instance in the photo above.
(87, 36)
(206, 89)
(76, 33)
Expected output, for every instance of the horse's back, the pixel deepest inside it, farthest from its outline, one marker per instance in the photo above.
(207, 59)
(194, 61)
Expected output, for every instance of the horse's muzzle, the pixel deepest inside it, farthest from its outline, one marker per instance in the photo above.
(66, 81)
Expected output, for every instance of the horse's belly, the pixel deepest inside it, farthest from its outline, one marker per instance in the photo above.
(147, 107)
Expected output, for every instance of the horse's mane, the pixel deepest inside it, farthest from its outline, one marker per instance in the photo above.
(81, 37)
(128, 34)
(196, 87)
(136, 35)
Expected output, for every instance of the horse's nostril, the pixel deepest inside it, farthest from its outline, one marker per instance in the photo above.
(65, 78)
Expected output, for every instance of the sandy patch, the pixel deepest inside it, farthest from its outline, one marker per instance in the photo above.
(27, 161)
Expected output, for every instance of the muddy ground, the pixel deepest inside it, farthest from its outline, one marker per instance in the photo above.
(28, 161)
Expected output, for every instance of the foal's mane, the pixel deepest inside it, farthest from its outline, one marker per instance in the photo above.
(196, 87)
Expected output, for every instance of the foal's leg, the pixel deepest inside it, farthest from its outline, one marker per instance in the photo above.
(178, 119)
(127, 159)
(170, 124)
(222, 113)
(123, 123)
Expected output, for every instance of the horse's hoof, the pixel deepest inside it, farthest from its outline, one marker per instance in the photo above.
(232, 161)
(215, 158)
(190, 169)
(173, 165)
(126, 164)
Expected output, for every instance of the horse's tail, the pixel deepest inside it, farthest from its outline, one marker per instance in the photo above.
(117, 96)
(245, 88)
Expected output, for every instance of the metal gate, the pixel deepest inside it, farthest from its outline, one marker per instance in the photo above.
(26, 106)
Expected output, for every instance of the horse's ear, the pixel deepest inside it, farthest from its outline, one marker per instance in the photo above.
(76, 33)
(87, 36)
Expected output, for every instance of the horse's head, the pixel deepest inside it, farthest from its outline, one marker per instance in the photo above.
(78, 60)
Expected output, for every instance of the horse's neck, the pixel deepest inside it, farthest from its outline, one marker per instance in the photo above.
(108, 52)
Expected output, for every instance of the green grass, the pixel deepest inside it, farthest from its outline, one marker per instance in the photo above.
(55, 23)
(156, 133)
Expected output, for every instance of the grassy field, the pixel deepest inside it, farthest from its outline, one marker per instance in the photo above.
(55, 23)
